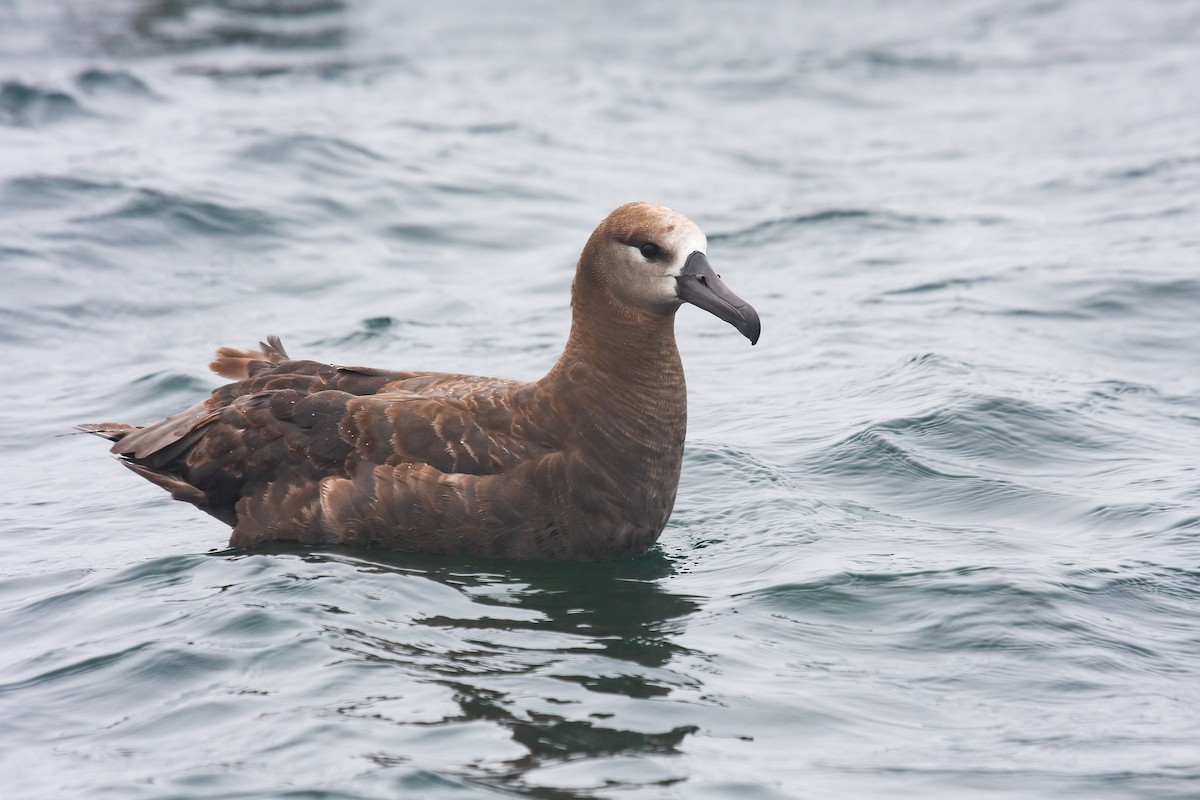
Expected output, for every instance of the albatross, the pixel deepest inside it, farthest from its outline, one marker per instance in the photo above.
(582, 464)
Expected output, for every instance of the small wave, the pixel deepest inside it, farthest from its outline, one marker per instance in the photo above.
(166, 384)
(775, 229)
(191, 25)
(1152, 298)
(882, 61)
(728, 493)
(154, 395)
(937, 286)
(97, 81)
(1113, 299)
(323, 70)
(26, 106)
(1087, 617)
(1005, 430)
(15, 254)
(152, 215)
(139, 210)
(387, 329)
(316, 155)
(1155, 168)
(472, 128)
(977, 461)
(29, 192)
(710, 458)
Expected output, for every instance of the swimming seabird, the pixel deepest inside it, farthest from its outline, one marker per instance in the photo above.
(582, 464)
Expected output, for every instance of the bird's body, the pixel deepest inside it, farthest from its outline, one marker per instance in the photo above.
(581, 464)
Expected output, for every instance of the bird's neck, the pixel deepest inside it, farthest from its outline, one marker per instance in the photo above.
(624, 361)
(617, 402)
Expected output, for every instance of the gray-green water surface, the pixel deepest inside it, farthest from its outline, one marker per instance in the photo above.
(938, 534)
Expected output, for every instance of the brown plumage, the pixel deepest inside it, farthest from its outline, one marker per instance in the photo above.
(581, 464)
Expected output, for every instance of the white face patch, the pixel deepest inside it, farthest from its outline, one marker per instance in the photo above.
(651, 282)
(688, 239)
(685, 239)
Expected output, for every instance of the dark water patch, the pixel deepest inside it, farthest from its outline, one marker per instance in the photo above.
(1155, 299)
(422, 234)
(496, 191)
(413, 333)
(193, 25)
(1114, 299)
(1138, 516)
(17, 327)
(162, 385)
(316, 155)
(156, 217)
(746, 88)
(631, 624)
(883, 62)
(568, 632)
(1186, 525)
(1112, 391)
(940, 285)
(119, 83)
(158, 574)
(331, 70)
(463, 232)
(1059, 315)
(79, 668)
(1158, 168)
(323, 209)
(26, 106)
(1162, 211)
(562, 739)
(167, 666)
(1139, 582)
(38, 192)
(281, 9)
(20, 590)
(468, 128)
(15, 254)
(864, 219)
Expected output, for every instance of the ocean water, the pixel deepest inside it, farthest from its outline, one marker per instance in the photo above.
(937, 536)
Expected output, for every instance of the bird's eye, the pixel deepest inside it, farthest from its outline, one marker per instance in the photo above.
(651, 251)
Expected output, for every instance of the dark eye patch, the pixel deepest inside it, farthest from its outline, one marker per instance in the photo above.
(651, 251)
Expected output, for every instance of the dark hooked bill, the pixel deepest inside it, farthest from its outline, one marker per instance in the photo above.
(701, 286)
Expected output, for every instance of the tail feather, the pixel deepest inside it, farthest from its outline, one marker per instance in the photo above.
(113, 431)
(242, 363)
(154, 451)
(182, 490)
(179, 488)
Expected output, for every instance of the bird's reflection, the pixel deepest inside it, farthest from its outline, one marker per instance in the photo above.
(608, 629)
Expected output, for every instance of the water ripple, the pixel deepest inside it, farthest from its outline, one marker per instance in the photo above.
(24, 105)
(776, 229)
(153, 216)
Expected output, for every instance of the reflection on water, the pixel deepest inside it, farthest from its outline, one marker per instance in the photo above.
(610, 628)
